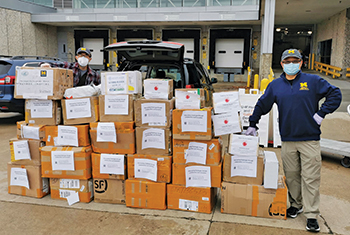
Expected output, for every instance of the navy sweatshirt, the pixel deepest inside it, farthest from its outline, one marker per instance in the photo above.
(297, 103)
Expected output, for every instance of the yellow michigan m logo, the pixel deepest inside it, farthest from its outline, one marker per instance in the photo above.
(290, 51)
(303, 86)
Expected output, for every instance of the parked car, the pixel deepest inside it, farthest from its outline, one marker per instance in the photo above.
(162, 59)
(8, 66)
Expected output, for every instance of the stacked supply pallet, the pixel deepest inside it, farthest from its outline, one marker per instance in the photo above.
(42, 89)
(150, 169)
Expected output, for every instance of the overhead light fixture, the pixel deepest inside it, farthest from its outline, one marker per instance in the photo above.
(309, 32)
(278, 29)
(286, 29)
(298, 32)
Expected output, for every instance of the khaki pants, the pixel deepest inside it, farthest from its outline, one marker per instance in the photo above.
(302, 168)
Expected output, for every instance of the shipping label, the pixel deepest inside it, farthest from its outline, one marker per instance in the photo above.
(62, 160)
(116, 104)
(198, 176)
(194, 121)
(67, 136)
(19, 177)
(21, 150)
(78, 108)
(146, 169)
(34, 83)
(112, 164)
(153, 138)
(106, 132)
(40, 108)
(244, 166)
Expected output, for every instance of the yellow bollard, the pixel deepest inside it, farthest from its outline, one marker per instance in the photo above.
(263, 84)
(309, 62)
(256, 81)
(313, 62)
(249, 75)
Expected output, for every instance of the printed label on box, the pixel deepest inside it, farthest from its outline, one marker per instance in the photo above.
(116, 104)
(106, 132)
(244, 145)
(78, 108)
(145, 168)
(62, 160)
(196, 153)
(187, 100)
(156, 89)
(112, 164)
(67, 136)
(153, 113)
(40, 108)
(244, 166)
(35, 82)
(198, 176)
(224, 102)
(19, 177)
(21, 150)
(116, 83)
(69, 183)
(153, 138)
(226, 123)
(194, 121)
(188, 205)
(30, 132)
(46, 185)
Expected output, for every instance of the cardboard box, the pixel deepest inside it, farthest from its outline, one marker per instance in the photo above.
(199, 119)
(96, 172)
(114, 83)
(116, 108)
(125, 139)
(179, 174)
(145, 194)
(163, 164)
(191, 198)
(271, 170)
(34, 152)
(153, 113)
(213, 150)
(51, 133)
(183, 99)
(258, 180)
(38, 186)
(42, 83)
(159, 138)
(81, 159)
(80, 110)
(109, 191)
(63, 188)
(43, 112)
(30, 131)
(158, 89)
(254, 200)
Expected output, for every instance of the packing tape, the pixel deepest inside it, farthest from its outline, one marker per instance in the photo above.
(255, 201)
(24, 191)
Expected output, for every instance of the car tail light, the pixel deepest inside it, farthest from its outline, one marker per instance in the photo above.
(10, 80)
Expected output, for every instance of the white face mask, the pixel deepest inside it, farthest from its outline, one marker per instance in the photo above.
(83, 61)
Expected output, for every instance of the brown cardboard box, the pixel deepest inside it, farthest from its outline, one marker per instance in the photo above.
(62, 188)
(38, 186)
(125, 139)
(202, 94)
(115, 117)
(109, 191)
(73, 114)
(82, 163)
(42, 83)
(145, 194)
(179, 174)
(36, 132)
(34, 146)
(31, 106)
(258, 180)
(163, 166)
(151, 88)
(156, 151)
(254, 200)
(141, 112)
(213, 150)
(51, 133)
(191, 198)
(178, 132)
(96, 161)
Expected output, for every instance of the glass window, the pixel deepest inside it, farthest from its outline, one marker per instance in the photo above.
(4, 67)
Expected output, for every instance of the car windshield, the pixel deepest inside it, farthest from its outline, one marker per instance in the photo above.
(171, 72)
(4, 67)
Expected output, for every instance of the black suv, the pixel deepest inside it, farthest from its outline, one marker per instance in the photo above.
(161, 59)
(8, 66)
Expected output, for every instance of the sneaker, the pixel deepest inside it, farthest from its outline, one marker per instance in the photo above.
(312, 225)
(293, 212)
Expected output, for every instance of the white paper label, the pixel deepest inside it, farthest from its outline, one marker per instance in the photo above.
(145, 168)
(187, 100)
(82, 188)
(40, 108)
(205, 198)
(67, 136)
(194, 121)
(62, 160)
(135, 82)
(69, 183)
(112, 164)
(198, 176)
(247, 107)
(78, 108)
(36, 82)
(153, 113)
(211, 146)
(226, 123)
(196, 153)
(21, 150)
(116, 83)
(116, 104)
(156, 89)
(19, 177)
(224, 102)
(71, 196)
(153, 138)
(30, 132)
(46, 185)
(244, 166)
(244, 145)
(106, 132)
(188, 205)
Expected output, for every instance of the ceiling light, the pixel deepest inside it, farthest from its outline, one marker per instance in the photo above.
(286, 29)
(309, 32)
(278, 29)
(298, 32)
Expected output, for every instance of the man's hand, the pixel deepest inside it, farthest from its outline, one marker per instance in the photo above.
(251, 131)
(318, 119)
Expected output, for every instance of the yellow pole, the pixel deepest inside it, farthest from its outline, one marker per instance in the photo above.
(249, 75)
(263, 84)
(256, 81)
(309, 62)
(313, 61)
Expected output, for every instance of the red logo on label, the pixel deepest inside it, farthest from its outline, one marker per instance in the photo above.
(187, 96)
(244, 143)
(227, 100)
(156, 88)
(225, 121)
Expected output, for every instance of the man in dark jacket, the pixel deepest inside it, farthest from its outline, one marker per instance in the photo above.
(297, 96)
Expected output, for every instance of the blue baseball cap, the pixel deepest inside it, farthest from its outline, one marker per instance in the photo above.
(290, 53)
(85, 50)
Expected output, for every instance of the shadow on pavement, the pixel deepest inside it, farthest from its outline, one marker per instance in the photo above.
(10, 118)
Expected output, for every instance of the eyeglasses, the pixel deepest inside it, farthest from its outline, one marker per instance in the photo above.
(291, 61)
(83, 55)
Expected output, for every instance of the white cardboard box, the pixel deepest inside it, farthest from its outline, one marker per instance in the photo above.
(271, 170)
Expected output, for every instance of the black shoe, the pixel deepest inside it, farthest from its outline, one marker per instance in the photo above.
(312, 225)
(293, 212)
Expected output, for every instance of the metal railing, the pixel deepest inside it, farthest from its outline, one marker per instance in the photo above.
(348, 72)
(328, 69)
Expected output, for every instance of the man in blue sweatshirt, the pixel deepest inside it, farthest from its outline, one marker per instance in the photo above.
(297, 96)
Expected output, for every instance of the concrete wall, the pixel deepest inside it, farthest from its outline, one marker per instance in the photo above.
(18, 36)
